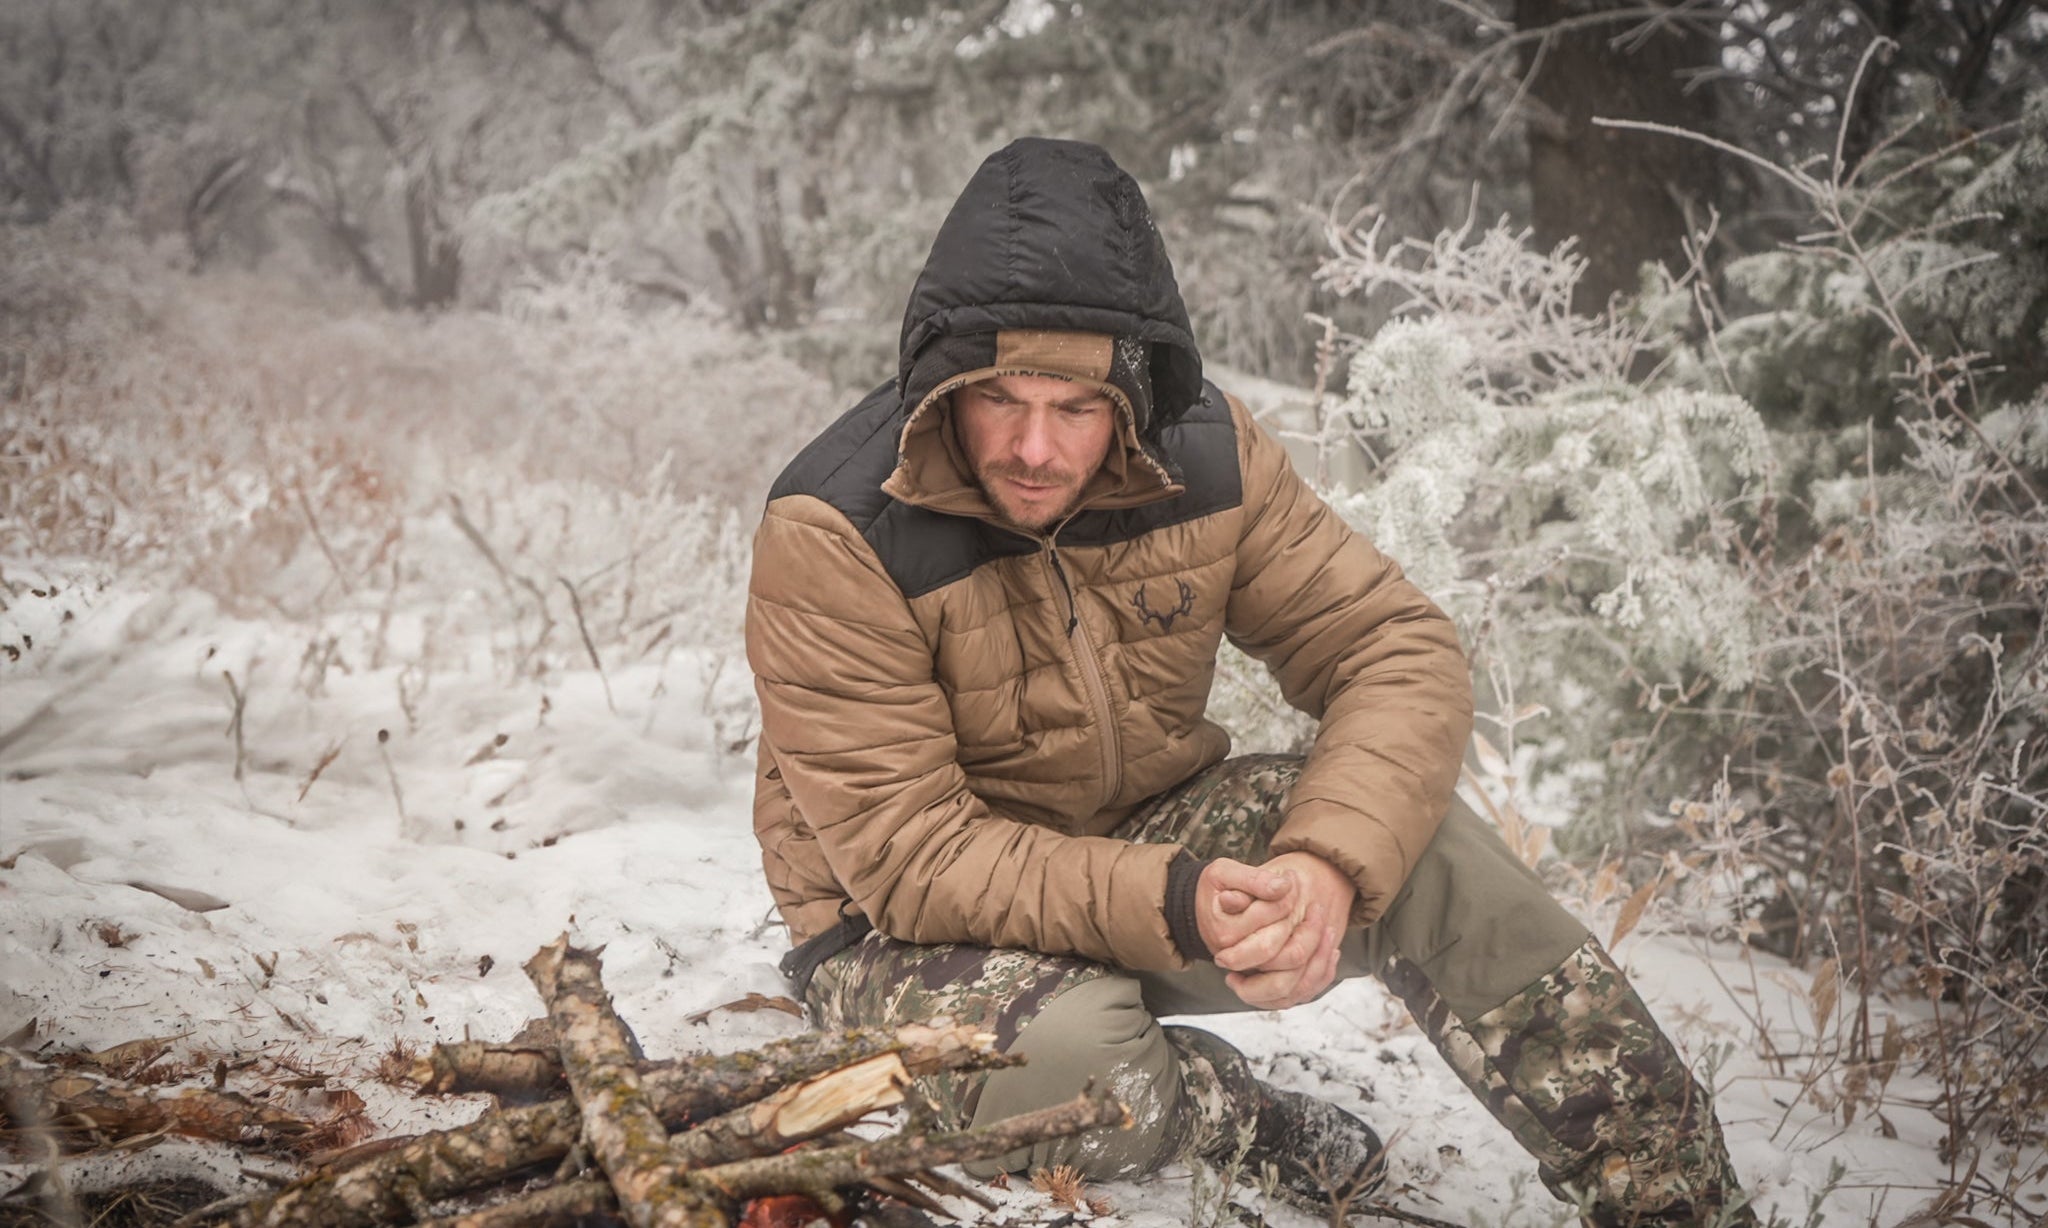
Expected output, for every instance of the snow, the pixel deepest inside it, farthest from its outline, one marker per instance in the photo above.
(466, 818)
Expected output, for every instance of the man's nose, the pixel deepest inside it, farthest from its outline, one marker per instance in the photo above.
(1035, 443)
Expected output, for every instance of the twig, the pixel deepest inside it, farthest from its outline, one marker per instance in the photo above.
(569, 1202)
(391, 774)
(507, 577)
(327, 757)
(850, 1165)
(313, 523)
(240, 700)
(1387, 1210)
(583, 629)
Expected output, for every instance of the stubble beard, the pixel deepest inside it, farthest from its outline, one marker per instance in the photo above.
(1018, 518)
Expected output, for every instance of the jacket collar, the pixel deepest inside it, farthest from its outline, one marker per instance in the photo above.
(932, 469)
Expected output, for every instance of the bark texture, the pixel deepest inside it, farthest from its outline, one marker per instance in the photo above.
(502, 1070)
(859, 1163)
(1625, 195)
(75, 1105)
(619, 1120)
(498, 1145)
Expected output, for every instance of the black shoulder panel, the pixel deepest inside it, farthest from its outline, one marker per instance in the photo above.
(923, 550)
(837, 464)
(846, 466)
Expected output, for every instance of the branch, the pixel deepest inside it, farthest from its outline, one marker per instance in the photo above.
(558, 32)
(70, 1101)
(619, 1121)
(497, 1145)
(583, 629)
(569, 1202)
(909, 1153)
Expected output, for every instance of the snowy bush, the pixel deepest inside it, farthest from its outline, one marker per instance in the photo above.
(1802, 671)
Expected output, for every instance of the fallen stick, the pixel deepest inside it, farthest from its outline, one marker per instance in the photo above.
(795, 1114)
(570, 1200)
(825, 1169)
(589, 1196)
(517, 1070)
(70, 1102)
(619, 1121)
(502, 1070)
(498, 1145)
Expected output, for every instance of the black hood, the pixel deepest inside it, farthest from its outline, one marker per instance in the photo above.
(1054, 235)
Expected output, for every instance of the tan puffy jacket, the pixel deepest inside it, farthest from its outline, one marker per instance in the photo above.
(951, 762)
(955, 713)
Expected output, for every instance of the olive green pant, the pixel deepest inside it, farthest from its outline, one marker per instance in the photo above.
(1472, 920)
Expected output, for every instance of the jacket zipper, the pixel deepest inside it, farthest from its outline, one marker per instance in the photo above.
(1091, 678)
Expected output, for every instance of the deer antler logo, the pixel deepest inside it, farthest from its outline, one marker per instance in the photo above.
(1164, 617)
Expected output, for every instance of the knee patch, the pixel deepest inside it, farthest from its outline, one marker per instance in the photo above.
(1100, 1032)
(1478, 923)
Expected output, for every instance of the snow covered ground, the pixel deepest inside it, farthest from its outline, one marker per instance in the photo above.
(465, 816)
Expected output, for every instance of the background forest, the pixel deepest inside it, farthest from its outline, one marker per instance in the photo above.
(1694, 354)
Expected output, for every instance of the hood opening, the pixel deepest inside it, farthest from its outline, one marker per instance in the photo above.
(1053, 237)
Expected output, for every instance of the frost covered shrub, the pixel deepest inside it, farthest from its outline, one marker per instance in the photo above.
(1570, 521)
(1896, 762)
(1813, 662)
(1952, 239)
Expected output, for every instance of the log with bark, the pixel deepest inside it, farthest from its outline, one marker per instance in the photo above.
(619, 1122)
(516, 1072)
(77, 1107)
(683, 1142)
(499, 1145)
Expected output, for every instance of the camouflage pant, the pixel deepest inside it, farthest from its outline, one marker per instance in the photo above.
(1528, 1010)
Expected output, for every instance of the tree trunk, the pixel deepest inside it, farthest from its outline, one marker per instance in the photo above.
(1629, 197)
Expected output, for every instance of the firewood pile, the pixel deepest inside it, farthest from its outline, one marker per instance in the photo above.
(753, 1138)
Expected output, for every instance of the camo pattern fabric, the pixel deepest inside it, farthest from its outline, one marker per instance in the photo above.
(1228, 811)
(1218, 1094)
(1231, 810)
(1581, 1074)
(881, 981)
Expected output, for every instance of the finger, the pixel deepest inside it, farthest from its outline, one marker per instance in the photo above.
(1251, 989)
(1321, 971)
(1232, 900)
(1303, 943)
(1254, 951)
(1254, 881)
(1279, 989)
(1226, 930)
(1266, 991)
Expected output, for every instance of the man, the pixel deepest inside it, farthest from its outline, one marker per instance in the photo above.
(984, 617)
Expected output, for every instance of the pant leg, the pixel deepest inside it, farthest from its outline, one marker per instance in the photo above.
(1540, 1024)
(1522, 1002)
(1074, 1021)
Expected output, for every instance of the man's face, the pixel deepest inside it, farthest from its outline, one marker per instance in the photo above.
(1034, 441)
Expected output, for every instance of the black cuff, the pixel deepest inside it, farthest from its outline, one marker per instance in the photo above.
(1182, 873)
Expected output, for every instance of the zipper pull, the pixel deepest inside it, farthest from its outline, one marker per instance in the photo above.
(1073, 611)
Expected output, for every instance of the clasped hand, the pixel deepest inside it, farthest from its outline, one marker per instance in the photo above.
(1275, 929)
